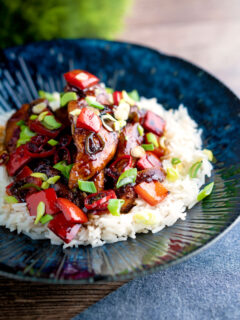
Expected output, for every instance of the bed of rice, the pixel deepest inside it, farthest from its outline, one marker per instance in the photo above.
(183, 140)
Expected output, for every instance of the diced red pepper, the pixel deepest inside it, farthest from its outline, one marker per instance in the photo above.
(117, 96)
(71, 212)
(89, 120)
(25, 172)
(36, 126)
(99, 201)
(81, 79)
(154, 123)
(152, 192)
(159, 152)
(120, 165)
(150, 160)
(8, 189)
(48, 196)
(17, 160)
(63, 228)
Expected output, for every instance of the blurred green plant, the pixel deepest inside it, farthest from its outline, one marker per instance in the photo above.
(22, 21)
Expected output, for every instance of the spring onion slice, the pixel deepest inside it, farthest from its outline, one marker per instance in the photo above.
(172, 174)
(109, 90)
(140, 130)
(25, 135)
(92, 102)
(134, 95)
(42, 115)
(38, 108)
(128, 176)
(40, 211)
(46, 218)
(114, 206)
(10, 199)
(46, 95)
(40, 175)
(45, 185)
(106, 117)
(87, 186)
(53, 180)
(33, 117)
(209, 154)
(67, 97)
(151, 138)
(148, 147)
(20, 123)
(63, 168)
(50, 123)
(175, 161)
(194, 169)
(206, 191)
(30, 185)
(52, 142)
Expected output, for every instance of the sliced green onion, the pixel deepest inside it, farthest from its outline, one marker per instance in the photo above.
(40, 211)
(40, 175)
(93, 102)
(25, 135)
(128, 176)
(87, 186)
(53, 180)
(114, 206)
(109, 90)
(151, 138)
(33, 117)
(126, 138)
(38, 108)
(206, 191)
(42, 115)
(46, 95)
(67, 97)
(45, 185)
(46, 218)
(175, 161)
(127, 98)
(63, 168)
(194, 169)
(148, 147)
(134, 95)
(118, 125)
(106, 117)
(209, 154)
(10, 199)
(140, 130)
(172, 174)
(50, 123)
(20, 123)
(30, 185)
(52, 142)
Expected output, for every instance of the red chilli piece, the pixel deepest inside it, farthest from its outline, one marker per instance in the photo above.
(8, 189)
(154, 123)
(25, 172)
(99, 201)
(17, 160)
(47, 196)
(71, 212)
(89, 120)
(63, 228)
(81, 79)
(120, 165)
(117, 96)
(150, 160)
(36, 126)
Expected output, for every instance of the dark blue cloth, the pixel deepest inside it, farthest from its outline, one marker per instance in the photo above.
(207, 286)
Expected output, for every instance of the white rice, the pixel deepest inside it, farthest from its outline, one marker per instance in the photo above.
(183, 140)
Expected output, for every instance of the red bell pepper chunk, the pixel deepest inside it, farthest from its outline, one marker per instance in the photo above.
(159, 152)
(25, 172)
(81, 79)
(17, 160)
(152, 192)
(99, 201)
(150, 160)
(48, 196)
(89, 120)
(71, 212)
(154, 123)
(8, 189)
(63, 228)
(117, 96)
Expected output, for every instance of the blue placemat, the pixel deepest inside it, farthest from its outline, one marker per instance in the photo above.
(206, 286)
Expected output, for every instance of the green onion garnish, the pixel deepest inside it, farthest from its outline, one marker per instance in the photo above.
(50, 123)
(20, 123)
(206, 191)
(45, 185)
(40, 211)
(194, 169)
(209, 154)
(40, 175)
(134, 95)
(172, 174)
(104, 119)
(52, 142)
(30, 185)
(114, 206)
(127, 98)
(128, 176)
(10, 199)
(93, 103)
(109, 90)
(46, 95)
(67, 97)
(42, 115)
(33, 117)
(151, 138)
(25, 135)
(63, 168)
(46, 218)
(148, 147)
(38, 108)
(175, 161)
(53, 180)
(140, 130)
(87, 186)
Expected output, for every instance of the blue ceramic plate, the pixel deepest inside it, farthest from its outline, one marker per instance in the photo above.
(25, 70)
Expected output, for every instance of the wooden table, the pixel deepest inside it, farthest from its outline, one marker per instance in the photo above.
(205, 32)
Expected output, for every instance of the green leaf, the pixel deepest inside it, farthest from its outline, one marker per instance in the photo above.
(128, 176)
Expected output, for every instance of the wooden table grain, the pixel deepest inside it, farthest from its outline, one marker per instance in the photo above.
(205, 32)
